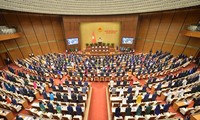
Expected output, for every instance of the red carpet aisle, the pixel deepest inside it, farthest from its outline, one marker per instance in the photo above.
(98, 105)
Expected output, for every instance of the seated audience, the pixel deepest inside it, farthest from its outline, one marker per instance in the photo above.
(58, 108)
(78, 110)
(148, 109)
(128, 111)
(139, 110)
(70, 110)
(117, 111)
(42, 107)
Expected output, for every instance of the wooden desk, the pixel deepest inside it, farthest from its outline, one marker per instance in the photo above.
(195, 116)
(177, 105)
(25, 104)
(163, 96)
(7, 114)
(37, 95)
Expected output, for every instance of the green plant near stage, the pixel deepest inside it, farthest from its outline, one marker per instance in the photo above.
(91, 44)
(112, 44)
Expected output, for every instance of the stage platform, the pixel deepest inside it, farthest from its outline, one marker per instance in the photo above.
(102, 54)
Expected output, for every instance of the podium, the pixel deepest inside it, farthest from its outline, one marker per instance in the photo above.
(100, 49)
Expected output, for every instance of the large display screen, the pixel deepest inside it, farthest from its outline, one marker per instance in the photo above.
(126, 40)
(72, 41)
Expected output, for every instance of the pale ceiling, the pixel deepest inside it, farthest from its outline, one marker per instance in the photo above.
(94, 7)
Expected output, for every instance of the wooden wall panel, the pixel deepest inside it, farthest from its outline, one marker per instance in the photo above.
(46, 21)
(143, 29)
(164, 26)
(189, 51)
(139, 45)
(147, 47)
(61, 47)
(9, 44)
(40, 32)
(45, 48)
(195, 42)
(1, 62)
(27, 28)
(16, 54)
(2, 48)
(177, 50)
(153, 26)
(12, 20)
(165, 31)
(156, 46)
(38, 28)
(57, 28)
(176, 25)
(26, 51)
(53, 47)
(167, 47)
(36, 49)
(192, 17)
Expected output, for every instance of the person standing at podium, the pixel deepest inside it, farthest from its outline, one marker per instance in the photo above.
(100, 40)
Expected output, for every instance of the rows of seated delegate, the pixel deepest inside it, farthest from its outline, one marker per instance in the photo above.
(153, 81)
(134, 102)
(71, 97)
(15, 85)
(187, 88)
(160, 63)
(183, 87)
(118, 65)
(22, 77)
(38, 83)
(175, 80)
(120, 110)
(14, 94)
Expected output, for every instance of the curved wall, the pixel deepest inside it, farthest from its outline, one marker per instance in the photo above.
(47, 33)
(163, 31)
(41, 34)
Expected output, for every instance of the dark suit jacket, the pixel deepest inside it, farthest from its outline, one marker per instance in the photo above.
(74, 97)
(50, 107)
(65, 98)
(44, 95)
(60, 88)
(58, 95)
(166, 107)
(78, 110)
(80, 98)
(75, 89)
(70, 110)
(129, 89)
(148, 109)
(157, 110)
(117, 111)
(128, 111)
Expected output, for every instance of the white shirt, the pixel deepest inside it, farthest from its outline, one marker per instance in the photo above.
(184, 82)
(121, 91)
(111, 83)
(124, 100)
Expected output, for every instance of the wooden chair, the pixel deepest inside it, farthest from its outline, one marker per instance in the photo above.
(66, 117)
(107, 79)
(96, 79)
(101, 79)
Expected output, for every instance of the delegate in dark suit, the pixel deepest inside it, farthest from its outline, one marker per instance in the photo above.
(70, 110)
(128, 111)
(117, 111)
(78, 110)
